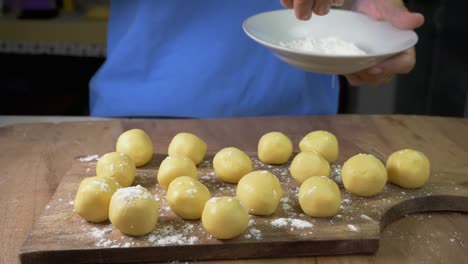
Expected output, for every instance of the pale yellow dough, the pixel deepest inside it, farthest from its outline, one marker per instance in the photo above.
(118, 166)
(231, 164)
(188, 145)
(274, 148)
(320, 197)
(408, 168)
(322, 142)
(309, 164)
(93, 197)
(137, 145)
(364, 175)
(175, 166)
(133, 211)
(225, 217)
(187, 197)
(260, 192)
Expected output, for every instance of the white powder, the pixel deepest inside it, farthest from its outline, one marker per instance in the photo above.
(294, 223)
(353, 228)
(131, 193)
(168, 235)
(330, 46)
(256, 233)
(99, 233)
(365, 217)
(100, 185)
(89, 158)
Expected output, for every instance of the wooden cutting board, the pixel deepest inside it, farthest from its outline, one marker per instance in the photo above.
(62, 236)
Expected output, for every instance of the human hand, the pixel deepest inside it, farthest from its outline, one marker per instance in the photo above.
(304, 8)
(395, 12)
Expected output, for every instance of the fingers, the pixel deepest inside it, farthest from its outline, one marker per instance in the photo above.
(398, 15)
(287, 3)
(383, 72)
(303, 8)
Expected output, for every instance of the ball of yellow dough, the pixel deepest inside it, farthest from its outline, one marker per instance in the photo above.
(133, 211)
(175, 166)
(274, 148)
(309, 164)
(225, 217)
(187, 197)
(364, 175)
(322, 142)
(320, 197)
(231, 164)
(137, 145)
(93, 197)
(188, 145)
(260, 192)
(408, 168)
(118, 166)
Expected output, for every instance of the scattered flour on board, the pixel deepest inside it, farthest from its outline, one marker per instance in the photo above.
(168, 235)
(89, 158)
(329, 45)
(365, 217)
(291, 222)
(256, 233)
(353, 228)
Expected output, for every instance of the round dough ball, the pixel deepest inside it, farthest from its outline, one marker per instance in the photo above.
(231, 164)
(260, 192)
(175, 166)
(274, 148)
(364, 175)
(187, 197)
(225, 217)
(320, 197)
(133, 211)
(93, 197)
(137, 145)
(322, 142)
(118, 166)
(309, 164)
(188, 145)
(408, 168)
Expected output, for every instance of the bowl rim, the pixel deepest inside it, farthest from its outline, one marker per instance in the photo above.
(315, 54)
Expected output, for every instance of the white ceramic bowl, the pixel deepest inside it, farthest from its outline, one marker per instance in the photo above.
(378, 39)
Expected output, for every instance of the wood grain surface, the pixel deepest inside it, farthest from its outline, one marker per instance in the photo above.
(35, 157)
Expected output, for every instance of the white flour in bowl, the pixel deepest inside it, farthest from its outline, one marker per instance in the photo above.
(329, 46)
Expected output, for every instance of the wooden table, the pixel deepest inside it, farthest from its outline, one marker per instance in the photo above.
(34, 157)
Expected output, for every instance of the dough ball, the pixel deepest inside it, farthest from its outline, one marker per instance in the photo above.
(225, 217)
(118, 166)
(231, 164)
(274, 148)
(133, 211)
(188, 145)
(137, 145)
(309, 164)
(364, 175)
(320, 197)
(187, 197)
(93, 197)
(175, 166)
(322, 142)
(408, 168)
(260, 192)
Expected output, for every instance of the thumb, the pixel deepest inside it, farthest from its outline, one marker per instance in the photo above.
(396, 13)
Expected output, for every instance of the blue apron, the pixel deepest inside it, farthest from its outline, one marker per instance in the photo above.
(181, 58)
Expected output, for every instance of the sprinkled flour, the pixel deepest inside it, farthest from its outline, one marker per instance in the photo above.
(294, 223)
(330, 46)
(89, 158)
(130, 193)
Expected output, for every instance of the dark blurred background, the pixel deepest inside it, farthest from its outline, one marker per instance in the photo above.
(49, 50)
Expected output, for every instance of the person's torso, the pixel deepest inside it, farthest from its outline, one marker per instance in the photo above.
(192, 59)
